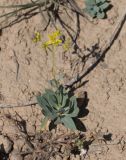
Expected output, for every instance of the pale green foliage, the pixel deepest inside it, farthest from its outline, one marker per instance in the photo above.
(58, 106)
(96, 8)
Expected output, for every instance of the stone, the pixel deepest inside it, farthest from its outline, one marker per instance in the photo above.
(15, 156)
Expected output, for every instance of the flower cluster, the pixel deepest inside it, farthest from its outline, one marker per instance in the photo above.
(54, 39)
(37, 37)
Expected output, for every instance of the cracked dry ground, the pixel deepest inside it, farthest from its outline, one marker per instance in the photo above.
(20, 135)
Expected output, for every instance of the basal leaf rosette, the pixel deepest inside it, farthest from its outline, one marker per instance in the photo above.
(59, 107)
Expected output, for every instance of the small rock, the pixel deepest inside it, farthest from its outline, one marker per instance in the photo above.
(56, 149)
(1, 125)
(10, 128)
(50, 149)
(26, 147)
(7, 143)
(66, 158)
(15, 156)
(83, 152)
(73, 157)
(62, 149)
(28, 157)
(58, 157)
(52, 158)
(18, 144)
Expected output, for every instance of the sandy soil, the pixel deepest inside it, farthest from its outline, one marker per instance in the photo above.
(106, 86)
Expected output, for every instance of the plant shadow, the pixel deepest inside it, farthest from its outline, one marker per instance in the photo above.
(106, 10)
(83, 111)
(82, 104)
(3, 154)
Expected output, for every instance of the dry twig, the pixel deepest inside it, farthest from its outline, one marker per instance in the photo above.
(106, 47)
(20, 105)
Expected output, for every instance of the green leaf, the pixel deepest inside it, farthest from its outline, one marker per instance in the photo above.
(57, 121)
(91, 13)
(101, 15)
(103, 1)
(90, 2)
(49, 91)
(48, 110)
(100, 1)
(65, 101)
(42, 102)
(64, 110)
(74, 110)
(62, 96)
(96, 9)
(89, 7)
(68, 122)
(59, 93)
(51, 98)
(104, 6)
(44, 122)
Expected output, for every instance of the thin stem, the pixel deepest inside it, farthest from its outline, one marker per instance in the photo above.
(53, 62)
(27, 5)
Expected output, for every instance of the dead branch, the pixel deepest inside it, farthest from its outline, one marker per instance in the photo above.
(105, 49)
(20, 105)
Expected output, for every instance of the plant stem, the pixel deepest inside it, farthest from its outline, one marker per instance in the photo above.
(53, 62)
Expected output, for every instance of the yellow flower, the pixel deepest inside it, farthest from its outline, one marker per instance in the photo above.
(57, 42)
(67, 44)
(54, 39)
(54, 35)
(37, 37)
(46, 44)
